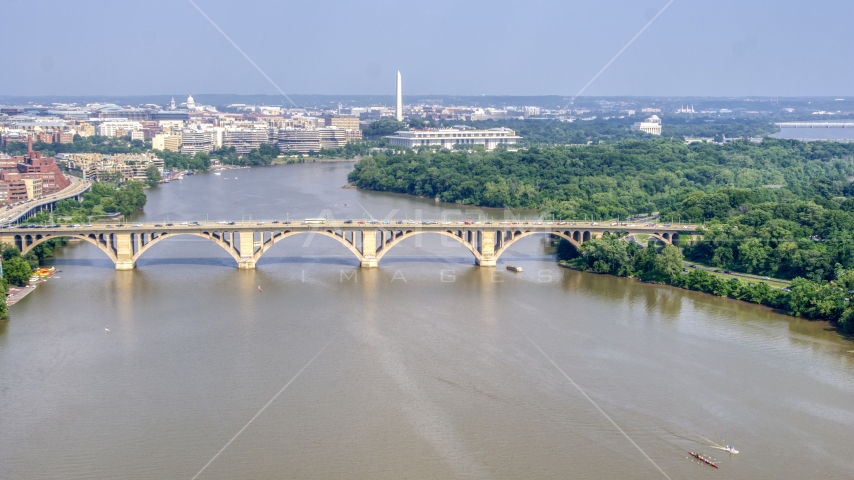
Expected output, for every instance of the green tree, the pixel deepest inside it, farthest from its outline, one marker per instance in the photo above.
(4, 307)
(815, 300)
(382, 127)
(607, 254)
(9, 251)
(130, 198)
(152, 174)
(17, 271)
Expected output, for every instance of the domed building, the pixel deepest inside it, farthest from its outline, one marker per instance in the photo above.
(191, 104)
(651, 125)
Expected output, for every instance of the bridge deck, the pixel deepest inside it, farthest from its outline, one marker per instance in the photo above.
(194, 227)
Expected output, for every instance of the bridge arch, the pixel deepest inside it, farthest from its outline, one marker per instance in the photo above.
(404, 234)
(518, 235)
(664, 238)
(26, 242)
(278, 236)
(164, 235)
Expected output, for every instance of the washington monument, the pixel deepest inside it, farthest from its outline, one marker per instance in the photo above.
(398, 109)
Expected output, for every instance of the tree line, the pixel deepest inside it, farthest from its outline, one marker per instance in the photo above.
(18, 269)
(610, 181)
(612, 254)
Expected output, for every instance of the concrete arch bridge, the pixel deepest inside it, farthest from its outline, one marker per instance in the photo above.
(247, 242)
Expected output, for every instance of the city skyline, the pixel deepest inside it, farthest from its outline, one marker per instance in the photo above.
(725, 49)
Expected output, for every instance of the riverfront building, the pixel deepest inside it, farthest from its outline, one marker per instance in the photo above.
(95, 166)
(244, 139)
(447, 138)
(305, 141)
(194, 141)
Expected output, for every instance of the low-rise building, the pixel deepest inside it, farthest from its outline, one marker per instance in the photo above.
(448, 137)
(96, 166)
(84, 165)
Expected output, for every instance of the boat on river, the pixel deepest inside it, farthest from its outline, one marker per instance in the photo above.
(514, 268)
(703, 459)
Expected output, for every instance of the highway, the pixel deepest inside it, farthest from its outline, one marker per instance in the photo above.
(78, 186)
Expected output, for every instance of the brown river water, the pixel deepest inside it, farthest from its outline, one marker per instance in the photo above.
(427, 367)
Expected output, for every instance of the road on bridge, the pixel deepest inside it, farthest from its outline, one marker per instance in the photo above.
(78, 186)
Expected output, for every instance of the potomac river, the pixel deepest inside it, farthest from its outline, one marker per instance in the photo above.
(427, 367)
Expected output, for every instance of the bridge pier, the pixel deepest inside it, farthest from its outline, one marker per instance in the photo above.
(369, 249)
(487, 250)
(124, 252)
(486, 262)
(125, 265)
(247, 250)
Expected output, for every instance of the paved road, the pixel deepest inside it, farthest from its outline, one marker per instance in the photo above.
(77, 187)
(734, 274)
(357, 225)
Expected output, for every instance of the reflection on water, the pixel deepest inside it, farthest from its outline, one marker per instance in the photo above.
(429, 374)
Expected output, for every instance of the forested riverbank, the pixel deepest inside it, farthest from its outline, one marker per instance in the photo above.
(778, 208)
(806, 298)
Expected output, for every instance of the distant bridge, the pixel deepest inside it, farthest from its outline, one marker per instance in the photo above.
(247, 242)
(816, 124)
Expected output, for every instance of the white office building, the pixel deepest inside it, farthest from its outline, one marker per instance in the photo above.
(298, 140)
(447, 138)
(244, 139)
(194, 141)
(114, 128)
(305, 141)
(651, 125)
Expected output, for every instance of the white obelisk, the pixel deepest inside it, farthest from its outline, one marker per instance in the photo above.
(398, 109)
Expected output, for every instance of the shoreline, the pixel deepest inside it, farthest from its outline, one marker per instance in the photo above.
(18, 294)
(297, 160)
(833, 323)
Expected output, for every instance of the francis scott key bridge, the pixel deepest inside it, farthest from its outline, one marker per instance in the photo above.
(368, 241)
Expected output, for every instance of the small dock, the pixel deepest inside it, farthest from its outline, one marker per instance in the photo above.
(17, 293)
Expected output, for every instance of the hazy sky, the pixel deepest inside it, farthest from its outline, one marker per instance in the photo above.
(496, 47)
